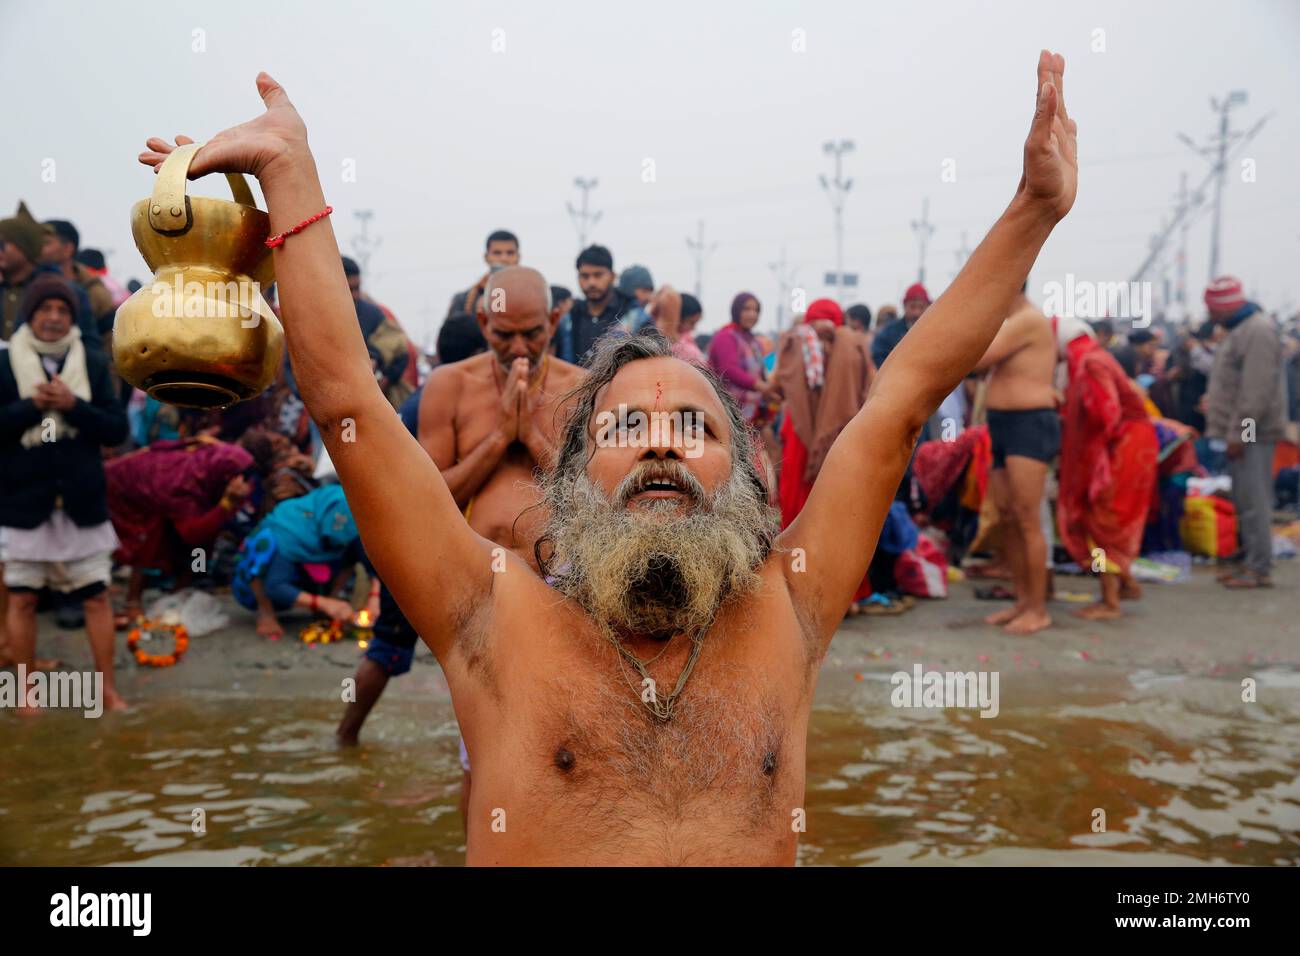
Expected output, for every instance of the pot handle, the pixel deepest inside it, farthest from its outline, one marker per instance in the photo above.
(169, 207)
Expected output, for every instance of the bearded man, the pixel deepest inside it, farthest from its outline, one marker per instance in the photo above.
(668, 564)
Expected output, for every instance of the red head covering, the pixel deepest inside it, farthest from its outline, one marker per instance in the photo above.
(916, 291)
(825, 309)
(1225, 295)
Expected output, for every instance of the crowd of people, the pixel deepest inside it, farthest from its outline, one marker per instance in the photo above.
(1071, 441)
(509, 509)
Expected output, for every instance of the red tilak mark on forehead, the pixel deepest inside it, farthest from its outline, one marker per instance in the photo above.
(659, 394)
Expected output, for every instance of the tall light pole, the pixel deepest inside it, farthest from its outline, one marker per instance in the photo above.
(1181, 294)
(784, 280)
(363, 245)
(924, 229)
(962, 254)
(837, 191)
(700, 251)
(582, 219)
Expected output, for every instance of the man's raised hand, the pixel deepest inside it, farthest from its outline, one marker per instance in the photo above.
(264, 146)
(1051, 174)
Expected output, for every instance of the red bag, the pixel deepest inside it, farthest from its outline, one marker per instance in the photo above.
(923, 570)
(1209, 526)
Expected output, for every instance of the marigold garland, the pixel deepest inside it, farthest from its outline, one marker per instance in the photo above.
(180, 637)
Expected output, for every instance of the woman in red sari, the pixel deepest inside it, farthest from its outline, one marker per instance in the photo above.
(1108, 467)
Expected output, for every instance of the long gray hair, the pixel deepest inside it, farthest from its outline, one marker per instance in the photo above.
(610, 354)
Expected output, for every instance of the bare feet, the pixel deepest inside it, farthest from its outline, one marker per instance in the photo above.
(1028, 622)
(1247, 580)
(40, 664)
(1099, 612)
(1005, 615)
(127, 617)
(1129, 590)
(114, 701)
(269, 627)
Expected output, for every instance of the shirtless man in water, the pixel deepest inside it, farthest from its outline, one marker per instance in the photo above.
(491, 421)
(652, 706)
(1026, 433)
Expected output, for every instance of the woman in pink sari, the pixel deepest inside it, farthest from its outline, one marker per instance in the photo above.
(736, 354)
(737, 357)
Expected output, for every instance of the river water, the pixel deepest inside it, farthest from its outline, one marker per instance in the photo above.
(1183, 773)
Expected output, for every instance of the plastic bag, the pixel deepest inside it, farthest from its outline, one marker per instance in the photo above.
(198, 611)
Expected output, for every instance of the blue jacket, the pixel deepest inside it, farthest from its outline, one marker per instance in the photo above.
(887, 339)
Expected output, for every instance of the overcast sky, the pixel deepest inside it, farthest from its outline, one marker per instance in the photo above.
(462, 118)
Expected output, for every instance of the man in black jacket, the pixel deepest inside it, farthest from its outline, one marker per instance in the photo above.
(57, 409)
(22, 241)
(601, 309)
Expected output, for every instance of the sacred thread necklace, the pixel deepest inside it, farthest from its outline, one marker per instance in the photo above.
(661, 709)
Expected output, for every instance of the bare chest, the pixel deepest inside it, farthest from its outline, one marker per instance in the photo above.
(478, 413)
(587, 774)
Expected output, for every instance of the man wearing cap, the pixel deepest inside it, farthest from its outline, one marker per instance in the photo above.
(62, 243)
(636, 285)
(57, 408)
(915, 301)
(22, 241)
(1246, 411)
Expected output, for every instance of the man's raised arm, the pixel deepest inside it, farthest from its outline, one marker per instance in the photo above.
(411, 527)
(838, 528)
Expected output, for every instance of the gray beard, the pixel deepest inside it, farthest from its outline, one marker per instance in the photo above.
(655, 571)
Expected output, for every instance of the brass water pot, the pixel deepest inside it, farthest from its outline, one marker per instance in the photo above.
(199, 334)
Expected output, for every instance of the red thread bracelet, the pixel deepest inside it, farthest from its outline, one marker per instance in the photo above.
(279, 240)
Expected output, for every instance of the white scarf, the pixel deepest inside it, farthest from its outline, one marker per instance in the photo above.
(25, 351)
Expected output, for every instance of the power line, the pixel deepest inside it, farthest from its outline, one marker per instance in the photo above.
(924, 229)
(583, 220)
(363, 245)
(784, 274)
(1217, 149)
(961, 254)
(700, 251)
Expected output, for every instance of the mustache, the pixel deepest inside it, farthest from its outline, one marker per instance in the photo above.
(647, 473)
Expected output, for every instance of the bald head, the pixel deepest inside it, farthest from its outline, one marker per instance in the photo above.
(517, 291)
(516, 315)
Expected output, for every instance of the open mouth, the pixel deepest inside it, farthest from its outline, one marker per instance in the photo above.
(659, 488)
